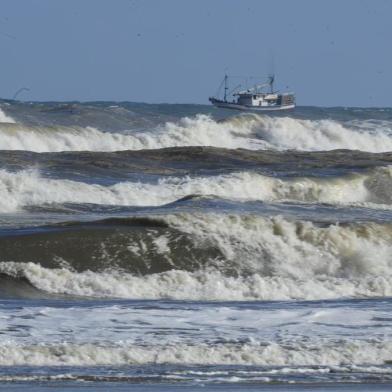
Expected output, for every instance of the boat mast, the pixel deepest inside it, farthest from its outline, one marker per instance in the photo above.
(226, 88)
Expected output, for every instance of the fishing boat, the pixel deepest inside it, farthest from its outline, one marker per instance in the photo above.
(254, 98)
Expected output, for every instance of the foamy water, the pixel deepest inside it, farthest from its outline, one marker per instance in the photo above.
(225, 336)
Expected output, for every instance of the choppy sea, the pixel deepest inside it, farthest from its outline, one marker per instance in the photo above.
(183, 247)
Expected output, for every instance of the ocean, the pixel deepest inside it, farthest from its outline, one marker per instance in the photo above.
(160, 247)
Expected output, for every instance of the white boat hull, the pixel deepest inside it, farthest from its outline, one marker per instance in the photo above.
(236, 106)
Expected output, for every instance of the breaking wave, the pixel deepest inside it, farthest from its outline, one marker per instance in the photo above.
(244, 131)
(28, 188)
(5, 118)
(333, 353)
(315, 135)
(255, 258)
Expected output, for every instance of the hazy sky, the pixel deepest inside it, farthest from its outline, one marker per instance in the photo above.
(331, 52)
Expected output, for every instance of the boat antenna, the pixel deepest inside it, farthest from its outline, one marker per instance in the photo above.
(271, 79)
(271, 73)
(226, 88)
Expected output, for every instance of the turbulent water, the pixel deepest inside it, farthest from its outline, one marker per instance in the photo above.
(184, 244)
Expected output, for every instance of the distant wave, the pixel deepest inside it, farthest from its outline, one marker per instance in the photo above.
(28, 188)
(244, 131)
(198, 131)
(240, 257)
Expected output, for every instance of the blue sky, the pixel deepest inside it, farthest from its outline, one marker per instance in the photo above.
(331, 53)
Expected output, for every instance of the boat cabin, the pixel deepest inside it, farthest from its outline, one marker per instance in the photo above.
(252, 99)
